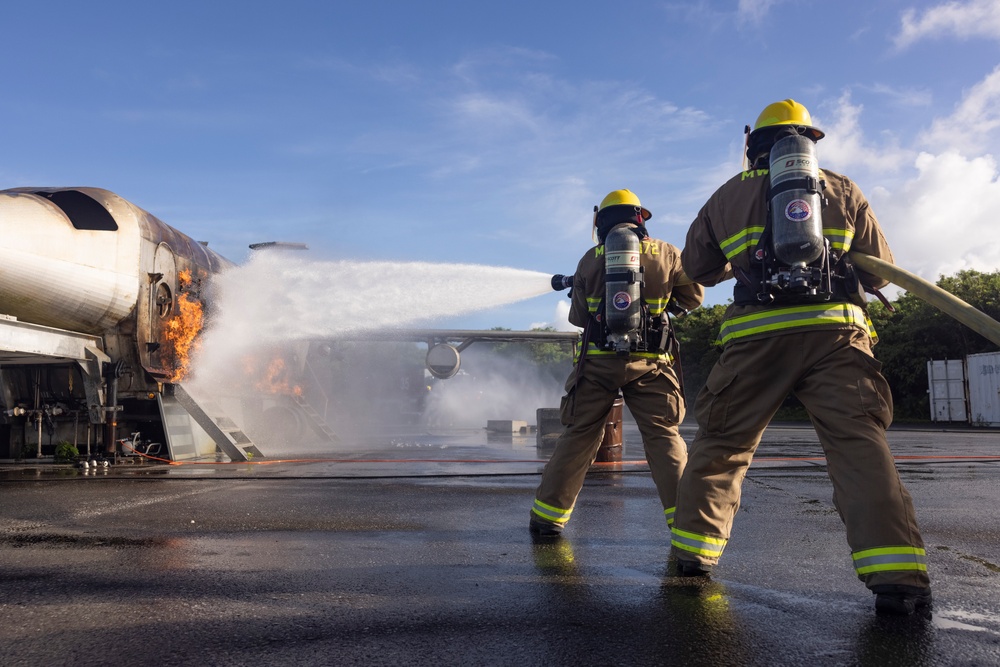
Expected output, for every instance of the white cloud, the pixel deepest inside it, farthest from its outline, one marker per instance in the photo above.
(905, 97)
(754, 11)
(974, 119)
(937, 206)
(944, 220)
(976, 18)
(846, 148)
(560, 318)
(488, 111)
(558, 145)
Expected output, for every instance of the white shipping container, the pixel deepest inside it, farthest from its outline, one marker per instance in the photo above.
(984, 388)
(946, 386)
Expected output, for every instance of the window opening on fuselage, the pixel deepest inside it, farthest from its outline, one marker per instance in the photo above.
(83, 211)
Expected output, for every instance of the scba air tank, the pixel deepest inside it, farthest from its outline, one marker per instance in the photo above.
(796, 201)
(622, 280)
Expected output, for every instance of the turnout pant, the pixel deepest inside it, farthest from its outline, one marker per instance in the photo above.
(652, 393)
(841, 386)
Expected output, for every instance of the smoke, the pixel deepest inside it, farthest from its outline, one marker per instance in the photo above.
(282, 328)
(492, 387)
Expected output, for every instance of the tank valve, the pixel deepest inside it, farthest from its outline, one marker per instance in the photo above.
(561, 282)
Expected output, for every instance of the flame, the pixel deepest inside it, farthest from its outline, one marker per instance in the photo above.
(272, 378)
(182, 330)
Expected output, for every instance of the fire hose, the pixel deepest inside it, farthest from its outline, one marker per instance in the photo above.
(947, 303)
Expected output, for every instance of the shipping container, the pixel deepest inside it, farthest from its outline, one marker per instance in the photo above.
(983, 371)
(946, 387)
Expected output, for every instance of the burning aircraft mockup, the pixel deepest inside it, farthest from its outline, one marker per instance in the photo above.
(100, 305)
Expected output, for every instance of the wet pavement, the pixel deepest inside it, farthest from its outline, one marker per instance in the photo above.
(413, 549)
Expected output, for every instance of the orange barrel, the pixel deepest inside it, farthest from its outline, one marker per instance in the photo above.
(610, 450)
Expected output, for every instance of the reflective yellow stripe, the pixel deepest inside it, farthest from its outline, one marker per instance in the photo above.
(890, 559)
(656, 306)
(840, 239)
(741, 241)
(551, 513)
(745, 239)
(669, 512)
(703, 545)
(793, 317)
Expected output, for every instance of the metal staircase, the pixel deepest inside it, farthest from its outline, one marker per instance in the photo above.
(314, 419)
(206, 413)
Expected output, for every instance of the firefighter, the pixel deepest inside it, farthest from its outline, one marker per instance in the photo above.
(636, 362)
(815, 343)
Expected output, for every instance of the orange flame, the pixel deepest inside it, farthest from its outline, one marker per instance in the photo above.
(183, 329)
(274, 379)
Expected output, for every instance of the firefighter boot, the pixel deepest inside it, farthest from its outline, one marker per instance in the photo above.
(541, 528)
(898, 600)
(692, 568)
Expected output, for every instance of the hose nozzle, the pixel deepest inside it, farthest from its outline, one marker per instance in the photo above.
(561, 282)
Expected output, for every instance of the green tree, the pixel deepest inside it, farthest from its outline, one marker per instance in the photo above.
(917, 332)
(554, 358)
(697, 333)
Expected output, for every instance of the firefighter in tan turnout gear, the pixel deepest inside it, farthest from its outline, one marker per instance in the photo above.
(622, 292)
(797, 325)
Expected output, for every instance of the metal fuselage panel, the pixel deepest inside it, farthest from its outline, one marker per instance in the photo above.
(122, 284)
(58, 276)
(99, 302)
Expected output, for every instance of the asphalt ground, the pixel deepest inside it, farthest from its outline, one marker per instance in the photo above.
(413, 549)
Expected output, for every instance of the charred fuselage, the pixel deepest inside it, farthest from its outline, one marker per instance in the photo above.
(98, 301)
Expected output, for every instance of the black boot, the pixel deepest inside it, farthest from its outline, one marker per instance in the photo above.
(899, 600)
(541, 528)
(692, 568)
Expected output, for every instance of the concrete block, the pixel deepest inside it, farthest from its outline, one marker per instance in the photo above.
(506, 426)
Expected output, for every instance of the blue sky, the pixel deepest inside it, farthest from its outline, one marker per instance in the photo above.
(484, 133)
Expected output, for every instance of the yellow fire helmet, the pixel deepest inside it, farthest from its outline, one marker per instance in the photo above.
(787, 112)
(622, 198)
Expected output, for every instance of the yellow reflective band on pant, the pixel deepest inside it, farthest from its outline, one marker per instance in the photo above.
(703, 545)
(890, 559)
(669, 512)
(550, 513)
(793, 317)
